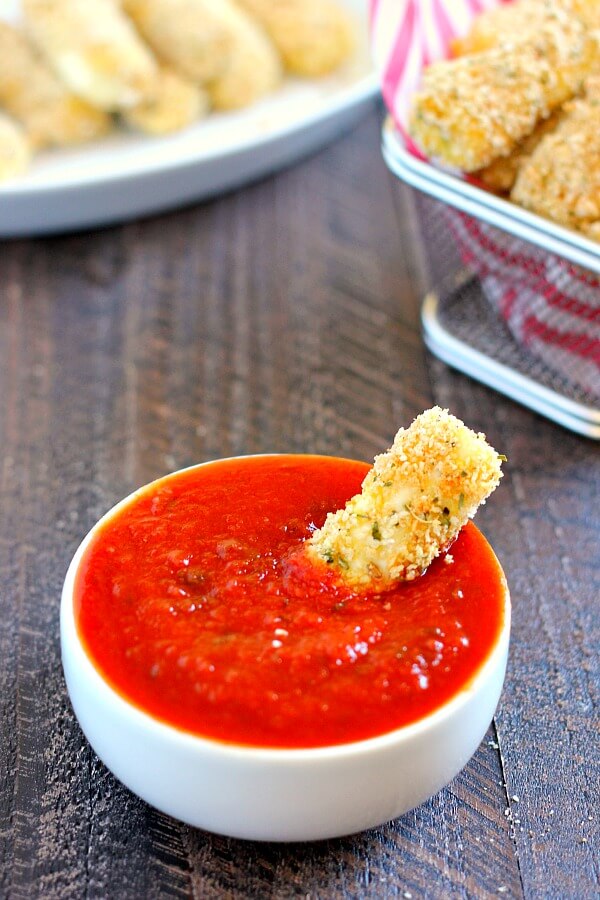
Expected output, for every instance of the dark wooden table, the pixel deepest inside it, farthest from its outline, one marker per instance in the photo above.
(282, 317)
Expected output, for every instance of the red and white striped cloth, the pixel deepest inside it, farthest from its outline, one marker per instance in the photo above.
(551, 306)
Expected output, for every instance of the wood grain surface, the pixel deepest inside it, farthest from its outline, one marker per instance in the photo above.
(282, 317)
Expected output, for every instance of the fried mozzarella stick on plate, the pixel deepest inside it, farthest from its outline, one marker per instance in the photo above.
(413, 503)
(14, 149)
(188, 34)
(253, 67)
(473, 109)
(34, 96)
(313, 36)
(94, 49)
(521, 18)
(175, 104)
(561, 179)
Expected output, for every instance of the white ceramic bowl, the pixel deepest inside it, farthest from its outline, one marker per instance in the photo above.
(272, 794)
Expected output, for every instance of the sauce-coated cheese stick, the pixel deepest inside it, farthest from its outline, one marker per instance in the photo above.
(14, 149)
(253, 68)
(188, 34)
(35, 97)
(95, 50)
(474, 109)
(313, 36)
(413, 503)
(175, 104)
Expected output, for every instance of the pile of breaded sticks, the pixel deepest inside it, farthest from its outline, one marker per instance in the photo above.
(519, 107)
(74, 68)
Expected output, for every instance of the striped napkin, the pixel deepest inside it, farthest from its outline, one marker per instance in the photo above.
(550, 306)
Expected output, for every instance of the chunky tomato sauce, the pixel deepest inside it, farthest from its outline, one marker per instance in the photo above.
(196, 603)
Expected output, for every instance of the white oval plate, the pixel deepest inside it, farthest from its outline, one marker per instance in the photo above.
(128, 175)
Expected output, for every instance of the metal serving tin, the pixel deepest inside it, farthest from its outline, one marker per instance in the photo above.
(460, 324)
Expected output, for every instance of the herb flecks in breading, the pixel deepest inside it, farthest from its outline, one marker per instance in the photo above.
(474, 109)
(413, 503)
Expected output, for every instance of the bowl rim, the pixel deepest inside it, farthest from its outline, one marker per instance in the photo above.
(71, 642)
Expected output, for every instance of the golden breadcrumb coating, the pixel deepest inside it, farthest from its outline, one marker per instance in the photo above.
(94, 49)
(561, 179)
(188, 34)
(176, 103)
(34, 96)
(253, 68)
(592, 230)
(500, 175)
(313, 36)
(476, 108)
(413, 503)
(521, 18)
(14, 149)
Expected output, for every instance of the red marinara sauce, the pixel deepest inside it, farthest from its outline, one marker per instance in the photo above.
(195, 604)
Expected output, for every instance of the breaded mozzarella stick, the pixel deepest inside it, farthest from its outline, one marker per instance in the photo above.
(313, 36)
(188, 34)
(413, 503)
(14, 149)
(501, 174)
(561, 178)
(176, 103)
(34, 96)
(476, 108)
(94, 49)
(520, 19)
(253, 67)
